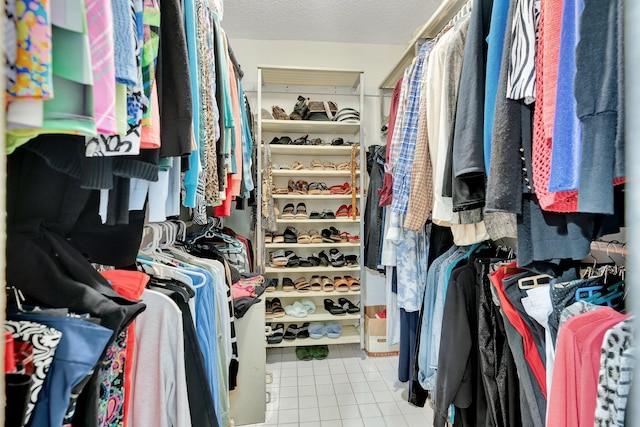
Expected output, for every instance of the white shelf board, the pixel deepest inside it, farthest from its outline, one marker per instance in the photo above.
(311, 172)
(309, 127)
(314, 197)
(311, 150)
(305, 76)
(320, 315)
(311, 245)
(316, 221)
(310, 294)
(350, 335)
(317, 269)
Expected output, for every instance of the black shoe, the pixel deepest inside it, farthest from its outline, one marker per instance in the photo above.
(348, 305)
(292, 332)
(333, 308)
(276, 334)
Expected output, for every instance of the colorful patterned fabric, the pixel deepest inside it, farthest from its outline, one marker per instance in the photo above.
(111, 409)
(100, 27)
(44, 341)
(151, 19)
(34, 56)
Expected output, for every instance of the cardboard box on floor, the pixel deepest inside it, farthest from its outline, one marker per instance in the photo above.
(375, 333)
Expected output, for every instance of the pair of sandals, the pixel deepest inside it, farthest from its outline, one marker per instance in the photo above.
(331, 235)
(346, 283)
(318, 330)
(317, 352)
(321, 283)
(340, 189)
(318, 188)
(297, 212)
(325, 214)
(298, 187)
(273, 308)
(342, 307)
(281, 258)
(311, 237)
(345, 211)
(301, 308)
(293, 331)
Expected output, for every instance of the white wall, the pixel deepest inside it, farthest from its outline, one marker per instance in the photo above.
(375, 60)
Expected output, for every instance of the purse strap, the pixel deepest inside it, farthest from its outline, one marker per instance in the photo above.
(328, 110)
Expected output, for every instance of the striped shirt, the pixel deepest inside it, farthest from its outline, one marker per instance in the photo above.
(521, 80)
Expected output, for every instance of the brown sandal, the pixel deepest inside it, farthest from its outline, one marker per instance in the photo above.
(341, 284)
(354, 284)
(327, 284)
(302, 285)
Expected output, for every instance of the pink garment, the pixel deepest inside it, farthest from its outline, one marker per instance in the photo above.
(563, 201)
(236, 179)
(552, 28)
(573, 394)
(151, 134)
(100, 27)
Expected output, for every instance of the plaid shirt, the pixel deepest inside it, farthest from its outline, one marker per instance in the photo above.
(421, 191)
(404, 163)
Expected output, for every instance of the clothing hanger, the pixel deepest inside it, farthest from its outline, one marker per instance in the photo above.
(163, 271)
(534, 281)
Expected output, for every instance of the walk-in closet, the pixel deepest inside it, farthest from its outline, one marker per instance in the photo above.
(322, 214)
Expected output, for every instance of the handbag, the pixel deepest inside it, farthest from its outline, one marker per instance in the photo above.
(305, 109)
(322, 110)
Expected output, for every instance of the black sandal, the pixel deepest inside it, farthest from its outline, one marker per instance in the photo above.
(303, 331)
(292, 332)
(333, 308)
(277, 334)
(337, 259)
(294, 260)
(301, 141)
(290, 235)
(272, 285)
(326, 236)
(324, 259)
(348, 305)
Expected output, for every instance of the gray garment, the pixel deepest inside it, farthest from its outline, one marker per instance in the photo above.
(619, 170)
(159, 384)
(532, 404)
(596, 92)
(575, 309)
(373, 212)
(501, 225)
(512, 124)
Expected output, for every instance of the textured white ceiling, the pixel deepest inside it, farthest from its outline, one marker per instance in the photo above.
(348, 21)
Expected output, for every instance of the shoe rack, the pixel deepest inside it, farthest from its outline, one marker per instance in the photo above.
(281, 86)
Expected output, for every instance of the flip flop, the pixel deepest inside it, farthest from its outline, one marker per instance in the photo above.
(341, 284)
(334, 330)
(276, 306)
(314, 236)
(316, 283)
(287, 285)
(316, 165)
(348, 305)
(302, 285)
(317, 330)
(277, 333)
(291, 332)
(297, 166)
(354, 284)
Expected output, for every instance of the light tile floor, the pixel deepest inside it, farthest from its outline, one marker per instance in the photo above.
(348, 389)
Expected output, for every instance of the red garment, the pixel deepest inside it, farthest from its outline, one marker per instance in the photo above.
(563, 201)
(531, 353)
(224, 210)
(573, 394)
(386, 192)
(129, 284)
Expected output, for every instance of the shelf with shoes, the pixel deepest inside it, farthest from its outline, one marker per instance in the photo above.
(330, 153)
(317, 269)
(306, 126)
(312, 245)
(350, 335)
(312, 172)
(311, 150)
